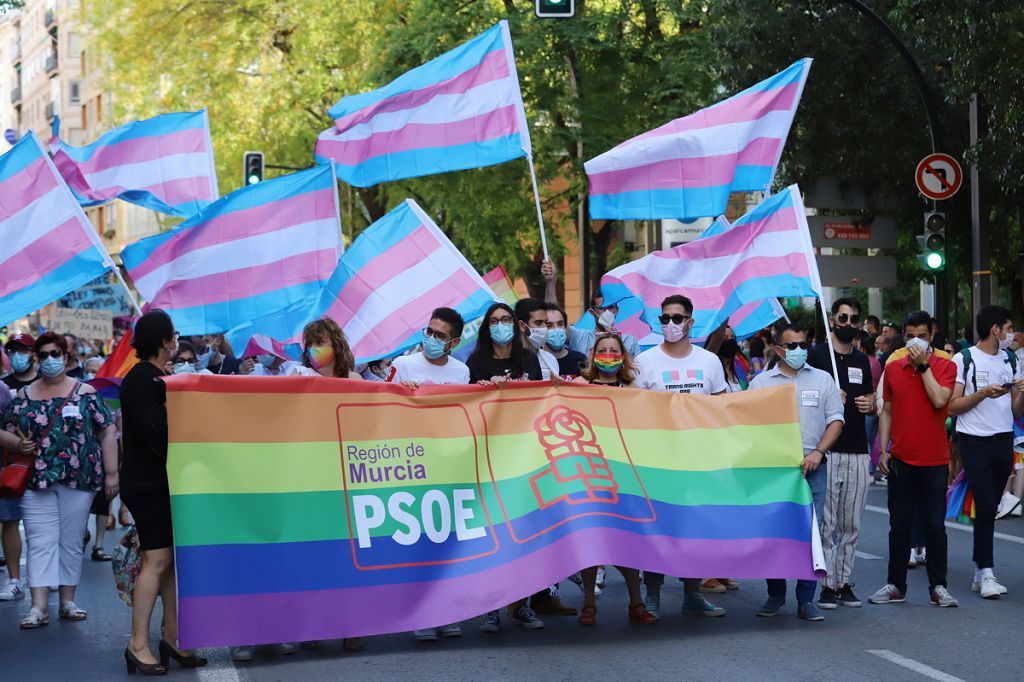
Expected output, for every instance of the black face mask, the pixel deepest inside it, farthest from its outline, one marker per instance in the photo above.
(846, 334)
(729, 348)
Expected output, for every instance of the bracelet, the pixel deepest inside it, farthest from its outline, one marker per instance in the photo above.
(818, 450)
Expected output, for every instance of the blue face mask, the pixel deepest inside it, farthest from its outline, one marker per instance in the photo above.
(20, 362)
(204, 360)
(434, 348)
(265, 359)
(502, 333)
(556, 339)
(52, 367)
(796, 358)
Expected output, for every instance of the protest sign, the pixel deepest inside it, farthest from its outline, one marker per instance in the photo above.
(389, 510)
(108, 297)
(85, 324)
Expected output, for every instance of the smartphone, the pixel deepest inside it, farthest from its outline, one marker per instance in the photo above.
(1008, 385)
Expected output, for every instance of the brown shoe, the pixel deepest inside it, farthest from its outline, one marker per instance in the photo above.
(712, 585)
(551, 606)
(730, 583)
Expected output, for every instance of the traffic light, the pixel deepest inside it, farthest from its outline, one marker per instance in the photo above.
(554, 9)
(252, 168)
(933, 241)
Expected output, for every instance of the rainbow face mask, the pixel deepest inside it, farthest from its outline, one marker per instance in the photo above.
(607, 363)
(320, 356)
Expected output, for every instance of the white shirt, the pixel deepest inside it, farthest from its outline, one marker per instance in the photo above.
(548, 364)
(699, 372)
(417, 368)
(991, 415)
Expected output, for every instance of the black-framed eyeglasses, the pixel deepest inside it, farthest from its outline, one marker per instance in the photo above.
(183, 361)
(495, 321)
(674, 319)
(793, 345)
(843, 318)
(55, 353)
(428, 332)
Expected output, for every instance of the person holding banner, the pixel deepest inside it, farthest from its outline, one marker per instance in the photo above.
(570, 362)
(325, 352)
(532, 323)
(499, 355)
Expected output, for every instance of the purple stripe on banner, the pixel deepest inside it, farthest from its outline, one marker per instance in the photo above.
(242, 223)
(360, 611)
(148, 148)
(685, 172)
(496, 123)
(24, 187)
(54, 248)
(251, 280)
(749, 107)
(494, 66)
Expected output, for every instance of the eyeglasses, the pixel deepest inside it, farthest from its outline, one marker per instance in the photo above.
(674, 319)
(843, 318)
(793, 345)
(51, 354)
(495, 321)
(428, 332)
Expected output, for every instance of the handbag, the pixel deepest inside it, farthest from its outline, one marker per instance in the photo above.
(17, 469)
(127, 562)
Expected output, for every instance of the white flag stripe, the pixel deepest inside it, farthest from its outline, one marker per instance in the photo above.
(35, 220)
(149, 173)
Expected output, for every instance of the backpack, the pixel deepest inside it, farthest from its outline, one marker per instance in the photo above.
(1011, 359)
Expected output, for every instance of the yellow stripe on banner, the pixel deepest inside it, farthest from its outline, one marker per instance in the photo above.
(194, 468)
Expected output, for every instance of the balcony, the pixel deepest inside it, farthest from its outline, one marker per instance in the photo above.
(16, 95)
(51, 110)
(51, 62)
(50, 18)
(14, 51)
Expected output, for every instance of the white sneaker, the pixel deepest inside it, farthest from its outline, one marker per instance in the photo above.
(426, 635)
(600, 576)
(241, 653)
(12, 590)
(1017, 511)
(979, 586)
(1007, 504)
(912, 561)
(452, 630)
(922, 556)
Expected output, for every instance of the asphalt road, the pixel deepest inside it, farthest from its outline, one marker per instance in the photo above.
(910, 641)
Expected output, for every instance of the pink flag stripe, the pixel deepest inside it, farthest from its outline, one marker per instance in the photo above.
(173, 192)
(247, 282)
(247, 222)
(138, 150)
(494, 66)
(25, 187)
(698, 171)
(712, 297)
(496, 123)
(749, 107)
(51, 250)
(395, 328)
(737, 240)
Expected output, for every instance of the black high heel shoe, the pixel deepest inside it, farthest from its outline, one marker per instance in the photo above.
(134, 665)
(167, 652)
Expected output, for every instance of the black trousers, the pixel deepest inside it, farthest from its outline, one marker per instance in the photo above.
(912, 489)
(988, 461)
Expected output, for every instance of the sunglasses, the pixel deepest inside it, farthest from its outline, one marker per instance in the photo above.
(843, 318)
(606, 335)
(51, 354)
(793, 345)
(183, 361)
(674, 319)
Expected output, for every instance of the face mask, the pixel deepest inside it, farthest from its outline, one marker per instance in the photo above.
(607, 364)
(673, 332)
(1005, 343)
(382, 371)
(918, 343)
(606, 319)
(796, 358)
(52, 367)
(81, 350)
(184, 368)
(320, 356)
(538, 336)
(88, 376)
(434, 348)
(845, 334)
(266, 359)
(204, 359)
(556, 339)
(20, 362)
(502, 333)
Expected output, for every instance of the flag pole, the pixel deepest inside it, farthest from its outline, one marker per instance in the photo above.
(540, 214)
(127, 291)
(828, 338)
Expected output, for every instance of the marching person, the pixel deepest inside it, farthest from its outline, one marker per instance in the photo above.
(989, 394)
(76, 457)
(216, 355)
(678, 366)
(570, 362)
(499, 355)
(915, 392)
(145, 491)
(849, 460)
(10, 511)
(24, 369)
(532, 322)
(821, 422)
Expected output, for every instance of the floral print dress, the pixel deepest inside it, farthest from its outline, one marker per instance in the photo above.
(70, 454)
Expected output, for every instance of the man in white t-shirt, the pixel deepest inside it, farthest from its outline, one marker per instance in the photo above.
(532, 320)
(678, 366)
(989, 393)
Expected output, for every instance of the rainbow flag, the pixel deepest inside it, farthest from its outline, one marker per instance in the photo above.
(382, 510)
(118, 363)
(109, 390)
(501, 285)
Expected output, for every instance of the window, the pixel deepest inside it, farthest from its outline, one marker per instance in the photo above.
(99, 108)
(73, 94)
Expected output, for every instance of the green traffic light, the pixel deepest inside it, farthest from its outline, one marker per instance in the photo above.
(253, 179)
(934, 261)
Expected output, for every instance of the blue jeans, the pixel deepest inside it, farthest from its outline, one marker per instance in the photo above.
(805, 589)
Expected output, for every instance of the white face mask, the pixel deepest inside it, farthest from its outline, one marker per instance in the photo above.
(1005, 343)
(918, 343)
(606, 319)
(673, 332)
(538, 336)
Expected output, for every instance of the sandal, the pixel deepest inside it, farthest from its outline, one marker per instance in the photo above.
(70, 611)
(638, 613)
(99, 555)
(34, 619)
(588, 615)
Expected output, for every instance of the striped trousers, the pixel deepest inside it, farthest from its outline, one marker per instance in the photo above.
(846, 493)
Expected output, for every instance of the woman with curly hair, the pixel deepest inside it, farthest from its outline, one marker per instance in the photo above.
(325, 351)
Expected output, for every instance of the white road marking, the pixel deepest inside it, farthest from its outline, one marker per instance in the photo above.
(865, 555)
(911, 664)
(220, 669)
(955, 526)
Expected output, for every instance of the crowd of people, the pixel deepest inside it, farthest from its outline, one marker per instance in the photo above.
(873, 402)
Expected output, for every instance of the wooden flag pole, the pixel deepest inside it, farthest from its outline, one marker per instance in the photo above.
(540, 214)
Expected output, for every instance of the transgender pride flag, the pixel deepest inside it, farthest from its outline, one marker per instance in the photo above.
(163, 163)
(686, 168)
(47, 245)
(766, 253)
(460, 110)
(255, 251)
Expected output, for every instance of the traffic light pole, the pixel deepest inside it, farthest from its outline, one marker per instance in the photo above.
(981, 262)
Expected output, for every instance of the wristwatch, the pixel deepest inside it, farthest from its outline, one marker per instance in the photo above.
(923, 367)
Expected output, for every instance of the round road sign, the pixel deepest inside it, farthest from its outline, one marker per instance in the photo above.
(938, 176)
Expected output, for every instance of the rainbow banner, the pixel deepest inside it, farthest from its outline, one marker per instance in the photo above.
(307, 508)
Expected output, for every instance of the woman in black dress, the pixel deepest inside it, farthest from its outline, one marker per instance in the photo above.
(144, 490)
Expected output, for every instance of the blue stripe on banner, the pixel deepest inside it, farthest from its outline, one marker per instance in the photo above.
(438, 69)
(791, 74)
(208, 570)
(24, 152)
(414, 163)
(682, 203)
(163, 124)
(215, 318)
(76, 272)
(293, 184)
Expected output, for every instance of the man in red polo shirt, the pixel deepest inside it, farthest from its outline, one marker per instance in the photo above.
(916, 394)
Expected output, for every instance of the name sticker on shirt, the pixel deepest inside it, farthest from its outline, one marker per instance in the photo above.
(982, 378)
(71, 412)
(855, 375)
(809, 397)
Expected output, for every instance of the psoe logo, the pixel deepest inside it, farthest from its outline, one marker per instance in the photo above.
(577, 471)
